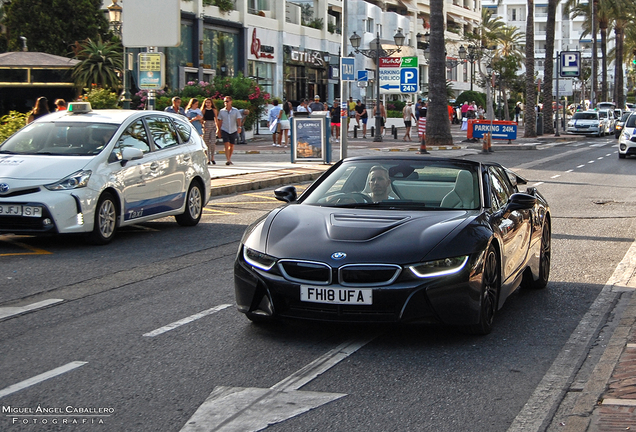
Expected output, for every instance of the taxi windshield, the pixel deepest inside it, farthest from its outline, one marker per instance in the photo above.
(68, 139)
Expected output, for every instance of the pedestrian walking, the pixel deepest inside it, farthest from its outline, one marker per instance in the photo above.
(194, 115)
(362, 116)
(285, 124)
(408, 117)
(382, 115)
(230, 122)
(421, 129)
(210, 128)
(241, 136)
(60, 105)
(316, 105)
(334, 113)
(274, 123)
(40, 109)
(176, 107)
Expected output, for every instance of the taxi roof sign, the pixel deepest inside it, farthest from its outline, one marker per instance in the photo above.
(79, 107)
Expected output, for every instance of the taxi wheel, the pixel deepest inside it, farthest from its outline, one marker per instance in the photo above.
(193, 206)
(105, 220)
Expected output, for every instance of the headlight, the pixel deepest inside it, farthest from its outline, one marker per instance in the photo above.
(76, 180)
(570, 124)
(258, 259)
(441, 267)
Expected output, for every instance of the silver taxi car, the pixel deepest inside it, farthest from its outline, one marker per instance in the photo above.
(85, 171)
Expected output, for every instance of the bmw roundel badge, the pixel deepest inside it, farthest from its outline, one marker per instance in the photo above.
(338, 255)
(4, 188)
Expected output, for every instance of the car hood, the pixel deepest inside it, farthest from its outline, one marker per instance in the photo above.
(316, 233)
(585, 121)
(38, 169)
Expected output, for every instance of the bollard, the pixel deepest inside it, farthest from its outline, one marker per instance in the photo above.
(395, 131)
(355, 131)
(372, 131)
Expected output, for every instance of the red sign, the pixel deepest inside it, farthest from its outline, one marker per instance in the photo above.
(395, 62)
(260, 51)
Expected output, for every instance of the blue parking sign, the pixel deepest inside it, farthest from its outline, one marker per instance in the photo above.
(408, 80)
(570, 64)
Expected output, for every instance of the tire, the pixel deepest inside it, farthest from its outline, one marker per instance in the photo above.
(545, 259)
(489, 297)
(105, 220)
(193, 206)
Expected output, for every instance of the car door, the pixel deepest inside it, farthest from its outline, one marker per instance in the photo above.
(170, 167)
(514, 227)
(134, 178)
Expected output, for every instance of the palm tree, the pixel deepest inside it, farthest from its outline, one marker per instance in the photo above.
(100, 64)
(548, 69)
(437, 125)
(622, 11)
(529, 114)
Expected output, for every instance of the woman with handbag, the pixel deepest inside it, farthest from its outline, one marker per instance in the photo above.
(210, 128)
(283, 119)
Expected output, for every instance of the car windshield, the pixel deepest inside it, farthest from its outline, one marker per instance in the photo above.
(624, 116)
(585, 116)
(602, 114)
(631, 121)
(68, 139)
(399, 184)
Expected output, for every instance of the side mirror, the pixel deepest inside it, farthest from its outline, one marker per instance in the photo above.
(520, 201)
(286, 193)
(130, 153)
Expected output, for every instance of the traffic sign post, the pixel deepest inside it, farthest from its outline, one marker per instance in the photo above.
(399, 75)
(363, 76)
(408, 80)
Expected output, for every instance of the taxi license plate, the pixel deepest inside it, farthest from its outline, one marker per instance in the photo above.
(348, 296)
(20, 210)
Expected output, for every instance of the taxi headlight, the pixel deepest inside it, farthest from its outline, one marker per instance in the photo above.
(443, 267)
(76, 180)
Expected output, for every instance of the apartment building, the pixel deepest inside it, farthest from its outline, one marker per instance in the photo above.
(293, 47)
(568, 31)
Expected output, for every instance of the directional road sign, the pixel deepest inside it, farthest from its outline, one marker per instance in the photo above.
(363, 75)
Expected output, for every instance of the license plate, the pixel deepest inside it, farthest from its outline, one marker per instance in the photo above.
(20, 210)
(348, 296)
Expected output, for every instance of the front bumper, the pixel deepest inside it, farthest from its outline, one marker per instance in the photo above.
(450, 300)
(63, 212)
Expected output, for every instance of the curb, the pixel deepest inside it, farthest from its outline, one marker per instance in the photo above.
(254, 181)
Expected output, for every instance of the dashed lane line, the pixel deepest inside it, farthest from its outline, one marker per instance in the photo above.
(6, 312)
(40, 378)
(187, 320)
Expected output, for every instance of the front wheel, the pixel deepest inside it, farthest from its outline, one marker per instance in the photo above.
(105, 220)
(193, 207)
(491, 283)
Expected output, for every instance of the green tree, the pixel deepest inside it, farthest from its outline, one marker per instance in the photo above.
(100, 64)
(52, 26)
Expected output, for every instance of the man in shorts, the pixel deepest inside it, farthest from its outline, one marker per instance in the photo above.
(230, 123)
(361, 115)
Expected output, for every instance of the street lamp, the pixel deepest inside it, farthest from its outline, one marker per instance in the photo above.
(114, 15)
(376, 51)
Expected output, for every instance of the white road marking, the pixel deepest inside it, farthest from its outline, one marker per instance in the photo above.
(253, 409)
(547, 396)
(556, 176)
(40, 378)
(580, 166)
(6, 312)
(537, 184)
(590, 162)
(569, 171)
(187, 320)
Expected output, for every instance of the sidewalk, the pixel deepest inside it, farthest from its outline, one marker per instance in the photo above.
(257, 175)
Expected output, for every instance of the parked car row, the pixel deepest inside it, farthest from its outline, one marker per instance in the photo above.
(627, 137)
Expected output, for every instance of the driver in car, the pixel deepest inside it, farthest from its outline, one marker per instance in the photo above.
(379, 184)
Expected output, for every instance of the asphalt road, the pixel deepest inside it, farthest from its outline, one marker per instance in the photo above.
(145, 335)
